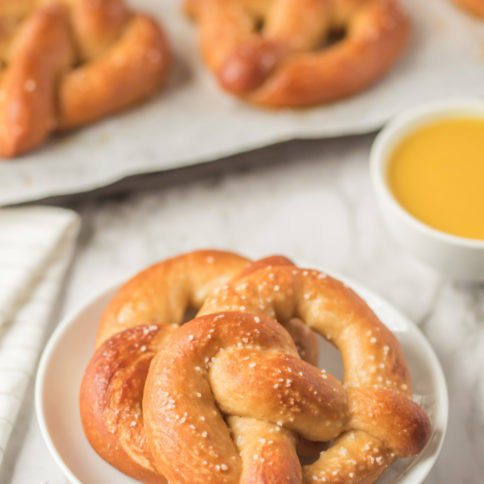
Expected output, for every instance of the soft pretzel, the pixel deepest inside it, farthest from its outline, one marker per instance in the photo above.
(273, 52)
(135, 325)
(66, 63)
(374, 366)
(474, 6)
(244, 369)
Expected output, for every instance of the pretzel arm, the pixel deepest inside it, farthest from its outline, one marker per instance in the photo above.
(365, 459)
(43, 51)
(224, 25)
(264, 447)
(110, 400)
(163, 292)
(126, 73)
(97, 24)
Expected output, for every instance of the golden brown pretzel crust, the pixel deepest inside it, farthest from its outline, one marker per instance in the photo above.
(476, 7)
(134, 326)
(72, 62)
(244, 369)
(163, 292)
(284, 65)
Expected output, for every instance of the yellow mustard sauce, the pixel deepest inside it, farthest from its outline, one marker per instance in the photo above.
(437, 174)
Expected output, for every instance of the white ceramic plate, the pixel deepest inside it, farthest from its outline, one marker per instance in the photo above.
(71, 346)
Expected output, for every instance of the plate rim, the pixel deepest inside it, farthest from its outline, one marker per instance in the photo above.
(368, 295)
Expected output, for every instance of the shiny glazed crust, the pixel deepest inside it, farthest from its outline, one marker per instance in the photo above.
(286, 63)
(71, 62)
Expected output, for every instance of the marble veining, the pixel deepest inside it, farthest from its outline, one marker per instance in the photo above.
(312, 201)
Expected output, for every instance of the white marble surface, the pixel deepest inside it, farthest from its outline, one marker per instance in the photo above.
(311, 201)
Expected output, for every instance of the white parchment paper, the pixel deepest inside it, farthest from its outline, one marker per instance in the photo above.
(193, 121)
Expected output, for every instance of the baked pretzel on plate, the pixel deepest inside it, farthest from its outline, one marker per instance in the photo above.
(66, 63)
(156, 397)
(274, 53)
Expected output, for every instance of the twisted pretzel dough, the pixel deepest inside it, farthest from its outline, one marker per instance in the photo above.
(474, 6)
(374, 367)
(162, 293)
(247, 367)
(133, 328)
(269, 51)
(71, 62)
(165, 291)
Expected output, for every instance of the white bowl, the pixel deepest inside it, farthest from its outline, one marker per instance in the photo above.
(458, 257)
(72, 344)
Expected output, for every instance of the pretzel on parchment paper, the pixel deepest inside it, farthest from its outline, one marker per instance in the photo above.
(66, 63)
(275, 53)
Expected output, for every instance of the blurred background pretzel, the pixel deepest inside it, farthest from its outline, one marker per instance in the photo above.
(136, 324)
(222, 402)
(66, 63)
(278, 53)
(476, 7)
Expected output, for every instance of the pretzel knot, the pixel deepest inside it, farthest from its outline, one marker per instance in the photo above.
(372, 359)
(246, 368)
(66, 63)
(276, 53)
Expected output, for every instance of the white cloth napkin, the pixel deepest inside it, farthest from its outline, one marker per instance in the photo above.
(36, 245)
